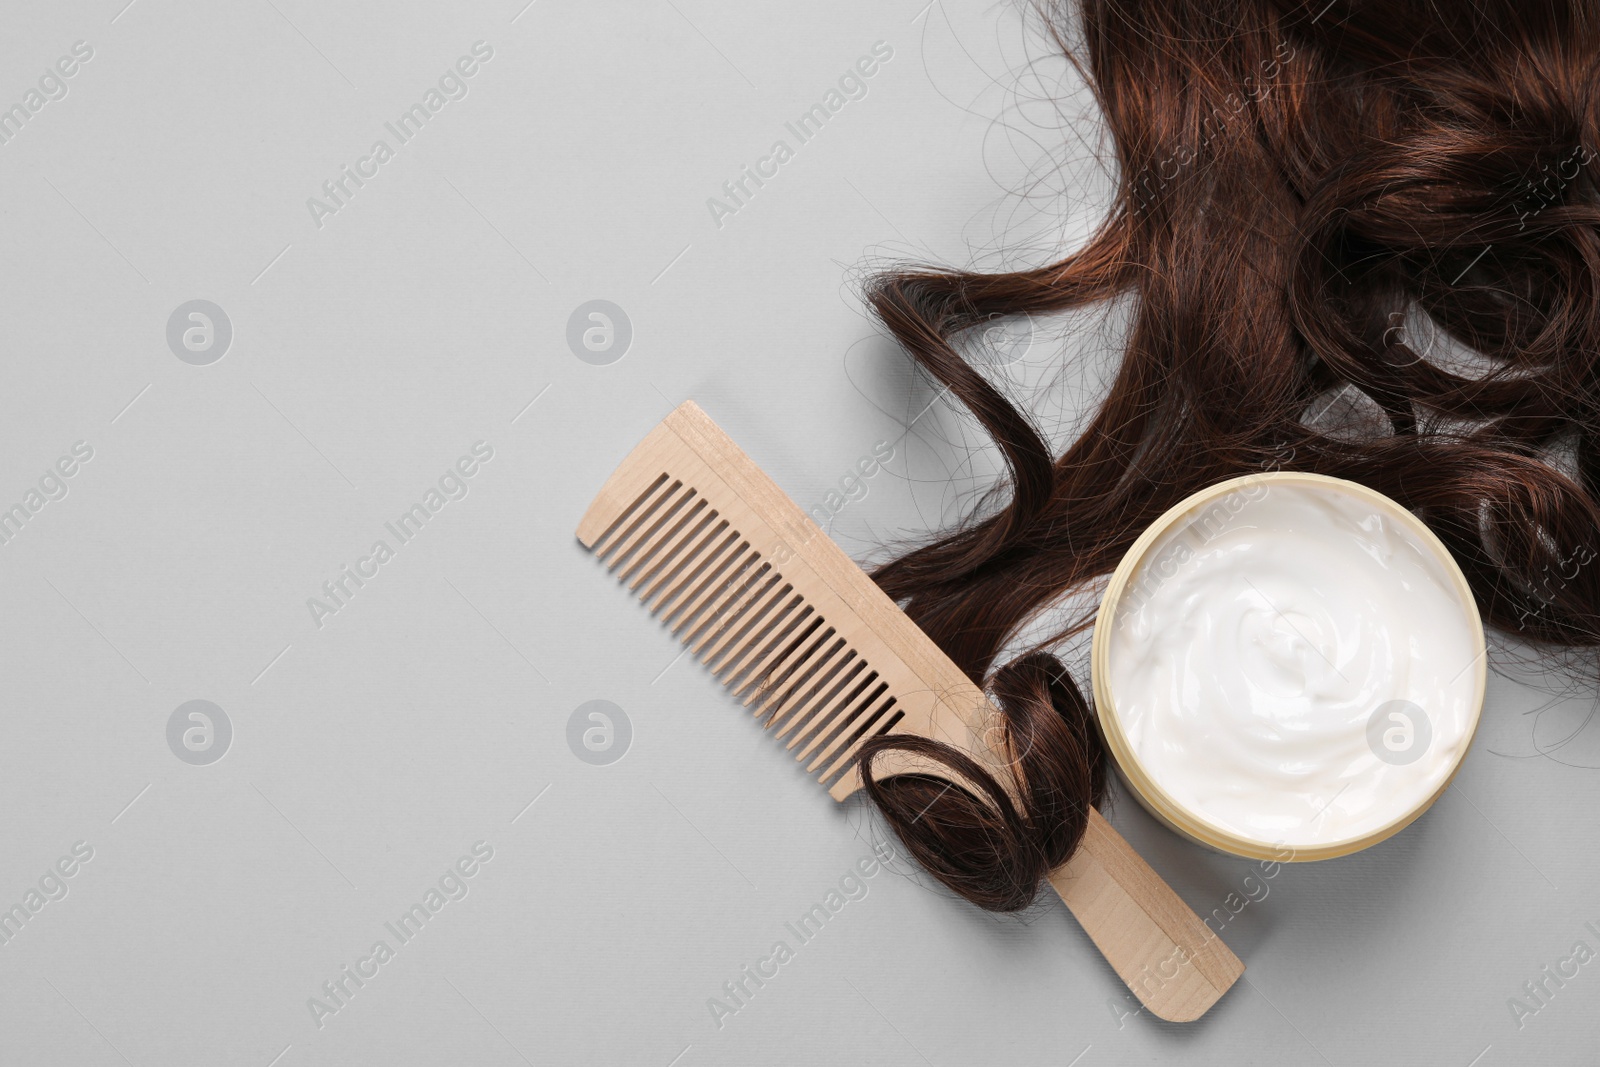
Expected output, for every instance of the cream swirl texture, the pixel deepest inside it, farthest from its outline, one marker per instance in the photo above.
(1294, 664)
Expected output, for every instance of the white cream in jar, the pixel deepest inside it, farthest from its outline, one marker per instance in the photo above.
(1296, 663)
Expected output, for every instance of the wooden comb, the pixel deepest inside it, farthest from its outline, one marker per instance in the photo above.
(788, 622)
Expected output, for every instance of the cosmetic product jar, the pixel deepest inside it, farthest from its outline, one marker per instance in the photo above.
(1288, 667)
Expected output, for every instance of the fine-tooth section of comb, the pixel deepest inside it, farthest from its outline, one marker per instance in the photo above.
(798, 694)
(851, 671)
(861, 707)
(768, 675)
(791, 637)
(826, 661)
(882, 719)
(759, 630)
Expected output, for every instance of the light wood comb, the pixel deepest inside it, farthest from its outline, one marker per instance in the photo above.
(788, 622)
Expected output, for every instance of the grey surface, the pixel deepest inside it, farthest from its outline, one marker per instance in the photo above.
(432, 712)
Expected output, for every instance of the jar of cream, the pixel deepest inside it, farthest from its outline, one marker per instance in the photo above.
(1288, 666)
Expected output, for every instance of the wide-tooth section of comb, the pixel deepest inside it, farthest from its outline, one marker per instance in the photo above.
(647, 552)
(665, 550)
(702, 566)
(629, 550)
(757, 592)
(720, 570)
(772, 646)
(629, 519)
(685, 559)
(749, 602)
(752, 609)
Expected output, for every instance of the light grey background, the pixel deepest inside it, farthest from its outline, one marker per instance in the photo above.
(431, 712)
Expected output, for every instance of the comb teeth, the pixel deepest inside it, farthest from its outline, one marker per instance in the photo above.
(758, 634)
(826, 661)
(720, 567)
